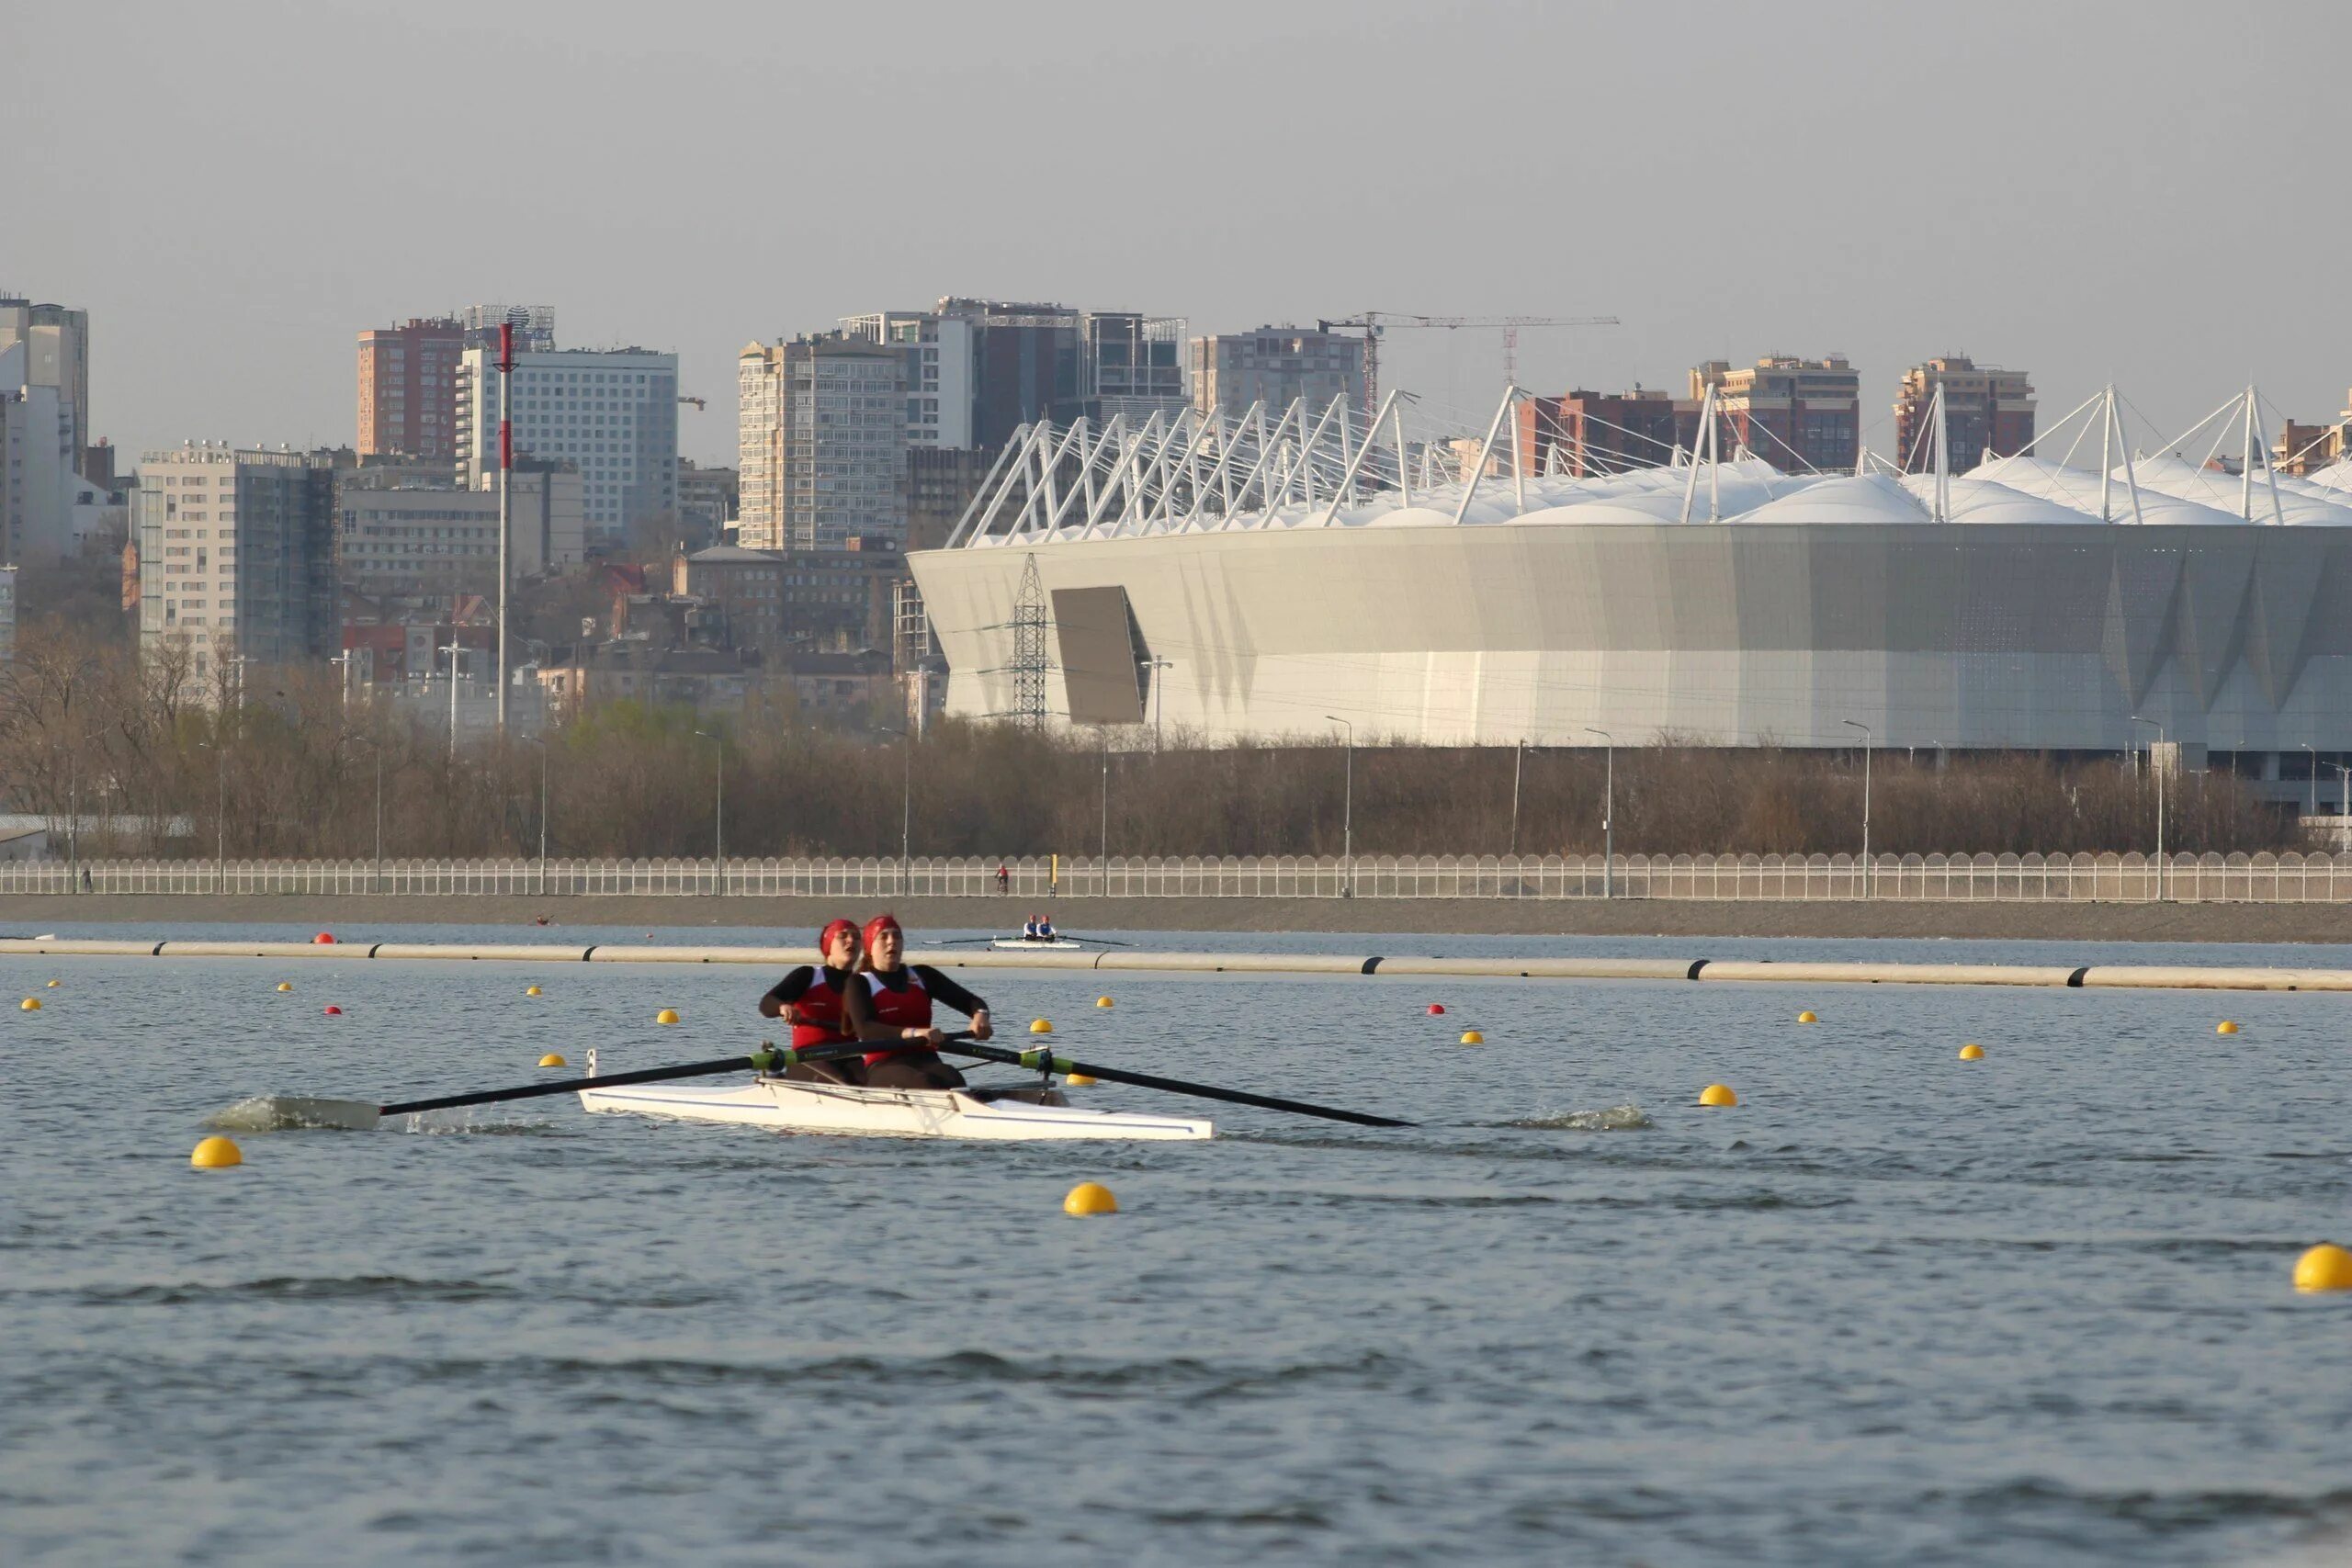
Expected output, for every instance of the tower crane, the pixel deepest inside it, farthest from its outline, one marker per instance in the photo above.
(1371, 323)
(700, 405)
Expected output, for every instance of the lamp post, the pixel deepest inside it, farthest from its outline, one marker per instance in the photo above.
(718, 820)
(454, 650)
(1608, 814)
(542, 745)
(220, 810)
(2314, 756)
(1348, 806)
(1159, 668)
(1518, 758)
(1102, 856)
(2155, 768)
(2344, 793)
(1857, 724)
(906, 797)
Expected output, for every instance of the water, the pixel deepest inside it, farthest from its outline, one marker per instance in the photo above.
(1894, 1307)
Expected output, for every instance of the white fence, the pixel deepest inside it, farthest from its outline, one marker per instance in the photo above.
(2261, 878)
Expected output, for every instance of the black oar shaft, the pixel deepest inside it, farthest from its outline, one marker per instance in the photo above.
(1047, 1061)
(609, 1080)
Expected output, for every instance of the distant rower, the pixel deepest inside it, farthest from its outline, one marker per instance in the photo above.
(892, 1003)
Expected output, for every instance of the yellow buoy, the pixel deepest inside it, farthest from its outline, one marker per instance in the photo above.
(1807, 1018)
(286, 985)
(215, 1154)
(1099, 1001)
(1972, 1052)
(531, 991)
(2326, 1267)
(1089, 1198)
(1079, 1080)
(2225, 1027)
(1472, 1037)
(667, 1015)
(53, 984)
(552, 1060)
(30, 1004)
(1039, 1026)
(1717, 1094)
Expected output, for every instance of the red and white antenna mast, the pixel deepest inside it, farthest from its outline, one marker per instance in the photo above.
(505, 497)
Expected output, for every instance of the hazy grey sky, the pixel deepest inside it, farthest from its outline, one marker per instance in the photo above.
(234, 189)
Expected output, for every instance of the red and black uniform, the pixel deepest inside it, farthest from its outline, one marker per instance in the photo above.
(903, 999)
(812, 998)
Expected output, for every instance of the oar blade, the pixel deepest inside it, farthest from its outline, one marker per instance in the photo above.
(285, 1113)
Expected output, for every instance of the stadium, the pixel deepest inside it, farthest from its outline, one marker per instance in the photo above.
(1302, 569)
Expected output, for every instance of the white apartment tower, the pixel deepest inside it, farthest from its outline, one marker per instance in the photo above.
(237, 556)
(943, 371)
(821, 442)
(611, 415)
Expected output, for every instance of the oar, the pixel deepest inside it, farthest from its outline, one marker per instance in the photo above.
(1046, 1062)
(272, 1113)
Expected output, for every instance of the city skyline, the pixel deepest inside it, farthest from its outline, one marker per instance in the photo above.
(2023, 256)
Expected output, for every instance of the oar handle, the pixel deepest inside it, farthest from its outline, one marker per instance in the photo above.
(1046, 1061)
(760, 1061)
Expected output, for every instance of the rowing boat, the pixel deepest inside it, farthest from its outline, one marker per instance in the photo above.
(1009, 1114)
(1039, 943)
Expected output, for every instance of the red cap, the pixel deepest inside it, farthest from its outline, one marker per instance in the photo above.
(879, 924)
(832, 929)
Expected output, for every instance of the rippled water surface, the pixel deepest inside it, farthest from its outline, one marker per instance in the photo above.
(1894, 1307)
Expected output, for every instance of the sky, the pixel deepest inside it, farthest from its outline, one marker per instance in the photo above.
(2141, 193)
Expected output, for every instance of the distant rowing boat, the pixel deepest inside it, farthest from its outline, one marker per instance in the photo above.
(1047, 943)
(1022, 1114)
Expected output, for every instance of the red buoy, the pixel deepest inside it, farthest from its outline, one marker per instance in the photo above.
(1436, 1008)
(333, 1011)
(327, 937)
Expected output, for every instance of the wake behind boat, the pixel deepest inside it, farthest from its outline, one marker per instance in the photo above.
(1018, 1113)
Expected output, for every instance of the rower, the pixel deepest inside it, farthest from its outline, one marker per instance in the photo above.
(810, 998)
(1029, 929)
(1044, 928)
(892, 1003)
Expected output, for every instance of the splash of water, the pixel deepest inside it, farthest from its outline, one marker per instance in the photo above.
(1616, 1119)
(287, 1113)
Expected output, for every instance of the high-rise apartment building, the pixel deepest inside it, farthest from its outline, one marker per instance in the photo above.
(1988, 412)
(1037, 361)
(821, 439)
(56, 340)
(1794, 413)
(38, 483)
(613, 414)
(940, 483)
(1584, 432)
(1275, 366)
(408, 389)
(411, 531)
(943, 376)
(237, 556)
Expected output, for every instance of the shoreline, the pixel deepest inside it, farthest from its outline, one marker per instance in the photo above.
(2210, 922)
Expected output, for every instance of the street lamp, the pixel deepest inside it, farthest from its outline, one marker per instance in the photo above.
(1608, 813)
(1857, 724)
(719, 822)
(1159, 668)
(1347, 805)
(906, 796)
(542, 745)
(220, 810)
(454, 650)
(2155, 768)
(1102, 856)
(1518, 760)
(2314, 756)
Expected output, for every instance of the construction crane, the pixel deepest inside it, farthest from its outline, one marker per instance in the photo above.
(1371, 323)
(700, 407)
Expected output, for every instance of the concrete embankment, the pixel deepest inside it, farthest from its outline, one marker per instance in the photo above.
(798, 919)
(1131, 960)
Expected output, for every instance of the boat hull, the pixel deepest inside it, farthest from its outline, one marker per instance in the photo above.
(1031, 944)
(1019, 1115)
